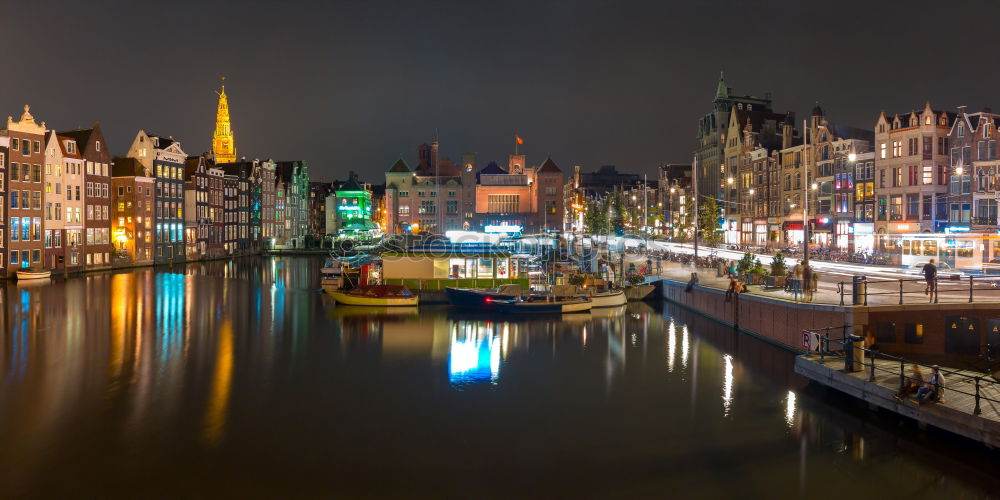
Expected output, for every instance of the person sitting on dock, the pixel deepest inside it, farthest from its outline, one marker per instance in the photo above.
(693, 283)
(933, 389)
(915, 383)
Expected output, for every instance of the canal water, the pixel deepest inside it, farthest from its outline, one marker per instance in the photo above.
(242, 379)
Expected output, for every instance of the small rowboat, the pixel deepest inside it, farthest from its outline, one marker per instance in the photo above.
(376, 295)
(28, 274)
(609, 298)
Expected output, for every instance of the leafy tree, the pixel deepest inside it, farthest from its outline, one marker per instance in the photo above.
(595, 218)
(708, 222)
(618, 212)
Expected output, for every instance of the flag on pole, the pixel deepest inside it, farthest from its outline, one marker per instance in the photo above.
(518, 139)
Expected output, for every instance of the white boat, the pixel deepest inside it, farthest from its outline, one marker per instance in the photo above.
(331, 277)
(541, 304)
(609, 298)
(37, 274)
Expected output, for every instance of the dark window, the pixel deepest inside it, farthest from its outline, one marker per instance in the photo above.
(913, 333)
(885, 333)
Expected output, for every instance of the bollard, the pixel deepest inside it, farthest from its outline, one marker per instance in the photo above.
(902, 376)
(871, 378)
(900, 291)
(970, 289)
(841, 287)
(935, 290)
(976, 410)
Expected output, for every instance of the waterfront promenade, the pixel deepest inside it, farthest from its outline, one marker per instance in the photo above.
(774, 315)
(876, 385)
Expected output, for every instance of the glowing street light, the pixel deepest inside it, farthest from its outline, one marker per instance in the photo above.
(852, 157)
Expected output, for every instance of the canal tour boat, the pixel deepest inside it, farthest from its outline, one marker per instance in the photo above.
(36, 274)
(609, 298)
(542, 304)
(376, 295)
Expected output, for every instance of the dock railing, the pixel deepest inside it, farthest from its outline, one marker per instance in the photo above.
(960, 289)
(848, 347)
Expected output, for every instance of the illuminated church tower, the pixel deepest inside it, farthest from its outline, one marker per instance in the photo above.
(223, 143)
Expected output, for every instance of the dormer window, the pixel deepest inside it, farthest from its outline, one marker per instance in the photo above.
(986, 129)
(927, 120)
(71, 147)
(97, 145)
(961, 130)
(913, 122)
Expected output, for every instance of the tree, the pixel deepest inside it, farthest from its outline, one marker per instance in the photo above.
(595, 219)
(708, 222)
(618, 213)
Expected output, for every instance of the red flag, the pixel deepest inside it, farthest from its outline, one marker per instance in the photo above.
(518, 139)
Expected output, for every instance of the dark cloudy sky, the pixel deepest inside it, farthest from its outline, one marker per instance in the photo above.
(351, 85)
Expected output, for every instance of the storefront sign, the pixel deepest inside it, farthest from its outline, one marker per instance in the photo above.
(864, 228)
(502, 228)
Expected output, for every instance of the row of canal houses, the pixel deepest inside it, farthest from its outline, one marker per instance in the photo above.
(73, 206)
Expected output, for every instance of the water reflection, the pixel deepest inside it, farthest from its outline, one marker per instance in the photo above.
(228, 375)
(475, 351)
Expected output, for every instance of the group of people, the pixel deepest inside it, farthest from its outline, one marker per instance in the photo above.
(804, 281)
(931, 389)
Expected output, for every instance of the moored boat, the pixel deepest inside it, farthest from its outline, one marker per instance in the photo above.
(332, 277)
(376, 295)
(482, 297)
(36, 274)
(609, 298)
(543, 305)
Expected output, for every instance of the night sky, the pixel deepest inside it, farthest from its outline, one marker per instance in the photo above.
(351, 85)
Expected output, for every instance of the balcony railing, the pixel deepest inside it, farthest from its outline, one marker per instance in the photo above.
(984, 221)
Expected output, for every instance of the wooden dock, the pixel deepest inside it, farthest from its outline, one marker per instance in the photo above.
(955, 414)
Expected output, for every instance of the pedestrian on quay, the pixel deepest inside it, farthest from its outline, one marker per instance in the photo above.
(807, 272)
(797, 281)
(930, 274)
(659, 264)
(649, 265)
(813, 283)
(915, 382)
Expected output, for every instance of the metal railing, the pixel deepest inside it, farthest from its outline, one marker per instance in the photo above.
(958, 289)
(954, 380)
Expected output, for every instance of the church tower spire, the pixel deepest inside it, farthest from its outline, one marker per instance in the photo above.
(722, 91)
(223, 143)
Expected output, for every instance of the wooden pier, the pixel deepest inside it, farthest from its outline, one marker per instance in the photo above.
(956, 414)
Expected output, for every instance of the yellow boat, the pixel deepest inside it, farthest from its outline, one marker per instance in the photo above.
(376, 295)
